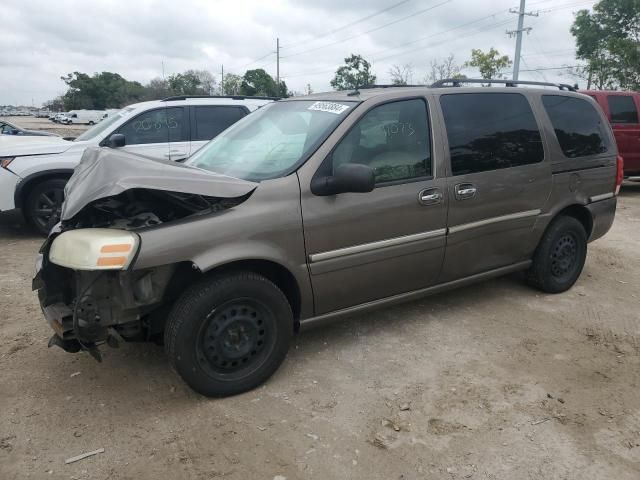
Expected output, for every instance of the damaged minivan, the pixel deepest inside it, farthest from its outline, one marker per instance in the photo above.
(315, 208)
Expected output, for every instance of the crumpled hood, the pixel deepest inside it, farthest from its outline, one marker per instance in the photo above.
(22, 145)
(106, 172)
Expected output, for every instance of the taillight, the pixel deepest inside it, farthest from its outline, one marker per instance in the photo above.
(619, 173)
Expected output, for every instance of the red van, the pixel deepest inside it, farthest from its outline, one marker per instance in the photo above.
(622, 110)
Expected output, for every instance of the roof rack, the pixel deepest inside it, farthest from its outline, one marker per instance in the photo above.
(373, 85)
(234, 97)
(456, 82)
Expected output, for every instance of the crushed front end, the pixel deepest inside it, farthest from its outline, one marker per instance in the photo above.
(89, 289)
(89, 307)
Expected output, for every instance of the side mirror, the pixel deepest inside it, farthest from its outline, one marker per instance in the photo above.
(350, 177)
(116, 140)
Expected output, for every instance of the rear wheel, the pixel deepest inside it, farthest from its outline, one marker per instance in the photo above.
(560, 257)
(229, 334)
(91, 122)
(44, 204)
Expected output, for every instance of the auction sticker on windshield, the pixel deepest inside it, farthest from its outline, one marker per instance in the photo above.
(329, 107)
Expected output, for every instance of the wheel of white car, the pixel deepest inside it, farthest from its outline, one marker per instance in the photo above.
(44, 204)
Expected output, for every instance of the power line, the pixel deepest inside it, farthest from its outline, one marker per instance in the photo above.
(482, 29)
(256, 60)
(360, 20)
(419, 12)
(444, 31)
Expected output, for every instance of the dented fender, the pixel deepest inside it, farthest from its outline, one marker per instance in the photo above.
(213, 241)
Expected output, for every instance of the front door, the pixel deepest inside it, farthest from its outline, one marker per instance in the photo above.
(161, 133)
(499, 182)
(623, 115)
(366, 246)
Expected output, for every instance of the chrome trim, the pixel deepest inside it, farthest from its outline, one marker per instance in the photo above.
(367, 247)
(489, 221)
(603, 196)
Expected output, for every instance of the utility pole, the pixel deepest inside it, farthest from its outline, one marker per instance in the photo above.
(278, 62)
(222, 80)
(518, 33)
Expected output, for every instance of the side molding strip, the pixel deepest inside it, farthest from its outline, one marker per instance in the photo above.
(489, 221)
(408, 296)
(367, 247)
(603, 196)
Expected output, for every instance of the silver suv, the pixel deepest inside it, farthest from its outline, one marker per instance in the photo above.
(317, 207)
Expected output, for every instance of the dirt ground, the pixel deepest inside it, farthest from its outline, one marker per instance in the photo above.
(494, 381)
(33, 123)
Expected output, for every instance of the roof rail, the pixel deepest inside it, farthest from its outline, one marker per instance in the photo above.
(456, 82)
(234, 97)
(364, 87)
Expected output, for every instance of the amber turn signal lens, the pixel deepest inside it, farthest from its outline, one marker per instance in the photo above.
(116, 248)
(111, 261)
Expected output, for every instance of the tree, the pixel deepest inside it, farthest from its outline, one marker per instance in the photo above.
(356, 72)
(99, 91)
(490, 64)
(401, 74)
(259, 82)
(440, 70)
(231, 84)
(609, 41)
(156, 89)
(192, 82)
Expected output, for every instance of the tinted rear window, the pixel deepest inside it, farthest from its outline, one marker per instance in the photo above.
(622, 109)
(577, 124)
(210, 121)
(489, 131)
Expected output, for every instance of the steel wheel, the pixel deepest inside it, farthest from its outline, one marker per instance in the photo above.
(235, 337)
(564, 255)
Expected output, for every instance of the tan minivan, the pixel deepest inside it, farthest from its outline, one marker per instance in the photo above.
(313, 208)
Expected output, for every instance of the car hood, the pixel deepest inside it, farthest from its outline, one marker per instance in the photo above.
(39, 133)
(107, 172)
(23, 145)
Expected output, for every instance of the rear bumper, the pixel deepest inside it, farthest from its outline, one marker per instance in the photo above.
(602, 214)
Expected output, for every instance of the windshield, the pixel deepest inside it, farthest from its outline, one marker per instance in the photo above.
(101, 126)
(272, 141)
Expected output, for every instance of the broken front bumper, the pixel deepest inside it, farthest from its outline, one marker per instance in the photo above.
(88, 308)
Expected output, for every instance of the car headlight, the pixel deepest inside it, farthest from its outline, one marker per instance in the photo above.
(94, 249)
(5, 161)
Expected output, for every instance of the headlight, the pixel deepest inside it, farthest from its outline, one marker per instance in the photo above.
(94, 249)
(5, 161)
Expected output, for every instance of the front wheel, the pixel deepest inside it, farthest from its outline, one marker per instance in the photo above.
(228, 334)
(560, 257)
(44, 204)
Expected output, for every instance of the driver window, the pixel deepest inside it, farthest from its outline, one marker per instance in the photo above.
(155, 126)
(393, 139)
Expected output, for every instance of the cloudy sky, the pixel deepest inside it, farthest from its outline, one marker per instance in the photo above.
(43, 39)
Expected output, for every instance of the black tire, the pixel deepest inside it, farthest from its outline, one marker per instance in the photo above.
(44, 203)
(560, 256)
(228, 334)
(91, 122)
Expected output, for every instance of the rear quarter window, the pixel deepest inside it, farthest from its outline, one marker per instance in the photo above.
(578, 126)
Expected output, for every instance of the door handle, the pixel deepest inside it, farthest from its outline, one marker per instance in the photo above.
(430, 196)
(465, 191)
